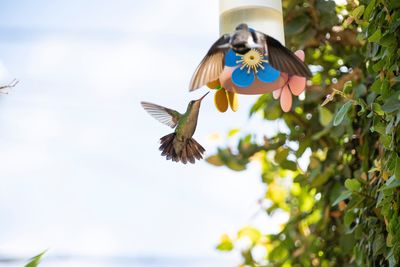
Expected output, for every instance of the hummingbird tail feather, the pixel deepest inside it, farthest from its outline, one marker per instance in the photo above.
(196, 149)
(189, 150)
(167, 146)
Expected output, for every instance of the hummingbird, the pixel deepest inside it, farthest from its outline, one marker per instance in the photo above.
(179, 145)
(241, 41)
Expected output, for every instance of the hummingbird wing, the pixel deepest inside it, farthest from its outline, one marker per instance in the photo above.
(285, 60)
(164, 115)
(212, 64)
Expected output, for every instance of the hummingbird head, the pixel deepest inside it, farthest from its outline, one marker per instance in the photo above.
(196, 103)
(244, 39)
(242, 26)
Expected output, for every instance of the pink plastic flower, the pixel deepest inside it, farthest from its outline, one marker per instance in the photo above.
(294, 85)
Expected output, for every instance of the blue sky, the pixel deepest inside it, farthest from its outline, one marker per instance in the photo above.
(81, 171)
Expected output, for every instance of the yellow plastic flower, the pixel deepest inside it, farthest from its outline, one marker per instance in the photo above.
(223, 98)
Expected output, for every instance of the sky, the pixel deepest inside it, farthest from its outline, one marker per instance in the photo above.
(81, 172)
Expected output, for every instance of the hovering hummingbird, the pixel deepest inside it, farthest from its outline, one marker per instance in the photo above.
(179, 145)
(241, 41)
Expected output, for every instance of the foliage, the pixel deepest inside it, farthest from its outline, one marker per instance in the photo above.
(344, 208)
(34, 262)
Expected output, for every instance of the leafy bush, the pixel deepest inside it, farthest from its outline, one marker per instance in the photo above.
(344, 209)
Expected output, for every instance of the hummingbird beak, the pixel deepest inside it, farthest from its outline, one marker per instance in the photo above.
(201, 98)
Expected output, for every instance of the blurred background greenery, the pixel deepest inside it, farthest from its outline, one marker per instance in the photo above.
(343, 209)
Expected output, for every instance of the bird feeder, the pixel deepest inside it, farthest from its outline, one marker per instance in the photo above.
(237, 76)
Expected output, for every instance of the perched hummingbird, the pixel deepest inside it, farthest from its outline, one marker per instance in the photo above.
(241, 41)
(179, 145)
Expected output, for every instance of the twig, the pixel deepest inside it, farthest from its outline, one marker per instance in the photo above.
(9, 86)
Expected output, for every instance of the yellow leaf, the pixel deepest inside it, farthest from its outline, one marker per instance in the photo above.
(225, 244)
(233, 101)
(221, 101)
(214, 84)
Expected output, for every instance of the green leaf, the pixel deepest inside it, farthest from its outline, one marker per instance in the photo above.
(226, 243)
(378, 109)
(376, 86)
(233, 132)
(392, 260)
(360, 90)
(397, 169)
(330, 58)
(379, 127)
(358, 11)
(368, 9)
(281, 154)
(388, 40)
(344, 195)
(389, 240)
(355, 202)
(349, 218)
(392, 103)
(342, 113)
(215, 160)
(376, 36)
(326, 6)
(288, 165)
(321, 178)
(379, 65)
(325, 116)
(33, 262)
(378, 244)
(372, 50)
(362, 105)
(392, 182)
(352, 184)
(347, 87)
(385, 89)
(235, 166)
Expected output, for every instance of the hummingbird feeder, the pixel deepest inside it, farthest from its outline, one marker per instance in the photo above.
(251, 72)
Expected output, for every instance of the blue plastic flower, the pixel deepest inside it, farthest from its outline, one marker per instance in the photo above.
(250, 64)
